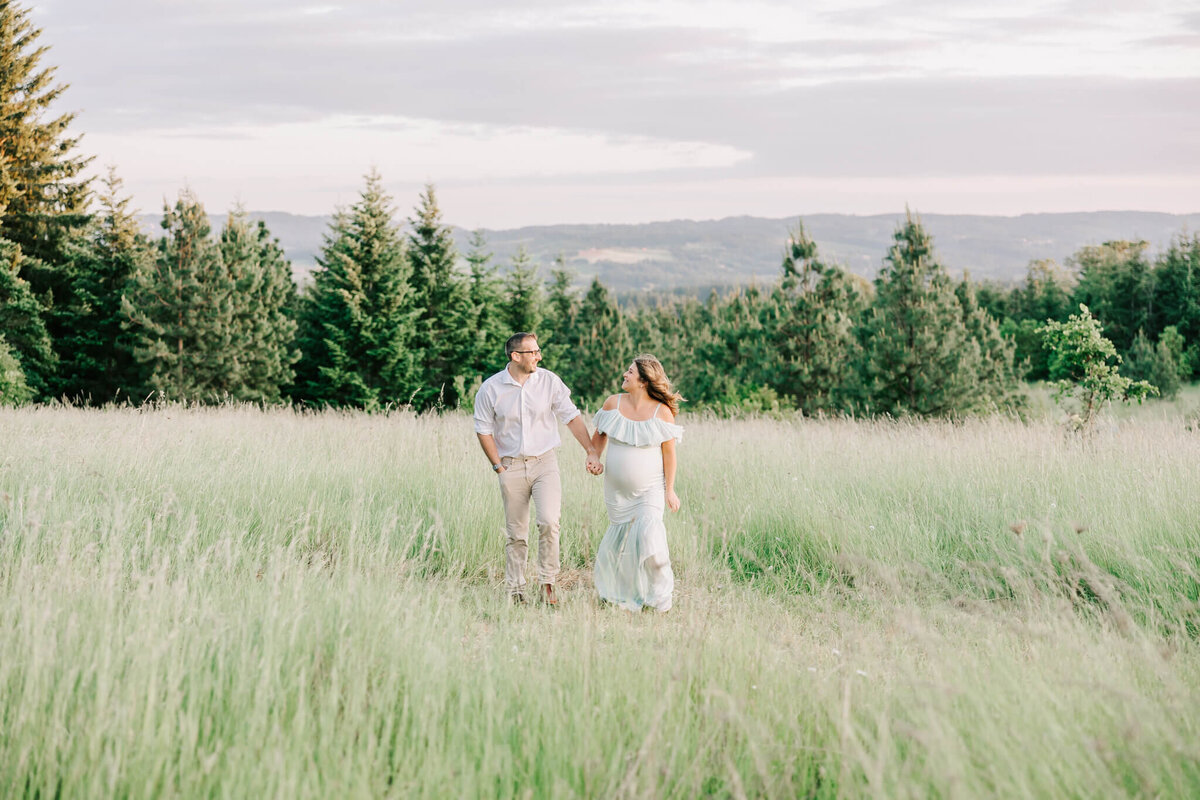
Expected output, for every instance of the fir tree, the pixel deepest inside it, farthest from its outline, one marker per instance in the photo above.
(487, 326)
(443, 295)
(918, 355)
(263, 333)
(21, 324)
(97, 351)
(560, 335)
(1116, 283)
(179, 310)
(1157, 364)
(43, 196)
(813, 331)
(1177, 293)
(603, 348)
(743, 363)
(358, 323)
(996, 380)
(523, 302)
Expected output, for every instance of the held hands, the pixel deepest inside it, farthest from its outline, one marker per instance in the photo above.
(672, 500)
(593, 464)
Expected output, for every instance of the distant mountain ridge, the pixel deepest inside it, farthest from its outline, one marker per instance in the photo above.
(684, 254)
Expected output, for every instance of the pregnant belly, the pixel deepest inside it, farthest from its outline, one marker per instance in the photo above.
(633, 471)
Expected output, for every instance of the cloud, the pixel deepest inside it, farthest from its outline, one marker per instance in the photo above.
(1188, 41)
(670, 91)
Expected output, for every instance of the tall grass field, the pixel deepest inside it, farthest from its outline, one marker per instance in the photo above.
(233, 602)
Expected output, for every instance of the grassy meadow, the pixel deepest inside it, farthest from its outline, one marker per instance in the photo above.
(237, 603)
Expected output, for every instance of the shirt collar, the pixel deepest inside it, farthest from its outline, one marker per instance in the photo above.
(510, 380)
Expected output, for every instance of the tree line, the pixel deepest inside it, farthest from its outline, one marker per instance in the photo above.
(94, 311)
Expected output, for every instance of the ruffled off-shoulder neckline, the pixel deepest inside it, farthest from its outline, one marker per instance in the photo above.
(638, 433)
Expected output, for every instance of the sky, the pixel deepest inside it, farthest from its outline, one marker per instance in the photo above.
(533, 112)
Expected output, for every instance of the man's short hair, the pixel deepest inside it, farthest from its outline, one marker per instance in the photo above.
(514, 342)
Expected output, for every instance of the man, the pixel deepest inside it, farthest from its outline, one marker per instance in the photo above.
(517, 412)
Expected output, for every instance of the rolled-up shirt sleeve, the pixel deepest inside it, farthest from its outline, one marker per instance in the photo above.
(560, 401)
(485, 413)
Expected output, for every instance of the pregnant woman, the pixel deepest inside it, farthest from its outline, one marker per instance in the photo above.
(633, 565)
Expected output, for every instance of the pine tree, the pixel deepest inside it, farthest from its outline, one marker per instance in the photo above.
(358, 323)
(443, 295)
(560, 336)
(97, 351)
(1177, 293)
(813, 331)
(523, 303)
(742, 362)
(918, 355)
(1158, 364)
(603, 348)
(679, 331)
(21, 324)
(487, 325)
(179, 310)
(996, 379)
(262, 336)
(1116, 283)
(43, 196)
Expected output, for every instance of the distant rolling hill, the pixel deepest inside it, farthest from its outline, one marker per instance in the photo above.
(684, 254)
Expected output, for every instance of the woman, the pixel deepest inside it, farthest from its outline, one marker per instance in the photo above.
(633, 566)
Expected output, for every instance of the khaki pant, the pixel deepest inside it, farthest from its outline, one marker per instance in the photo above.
(532, 478)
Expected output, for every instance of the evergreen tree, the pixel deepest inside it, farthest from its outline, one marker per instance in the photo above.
(1045, 295)
(919, 357)
(97, 351)
(21, 324)
(262, 330)
(358, 323)
(996, 378)
(487, 326)
(443, 295)
(559, 336)
(1157, 364)
(180, 313)
(1116, 283)
(14, 390)
(996, 298)
(524, 306)
(814, 332)
(675, 330)
(43, 196)
(1139, 361)
(1177, 294)
(179, 310)
(603, 349)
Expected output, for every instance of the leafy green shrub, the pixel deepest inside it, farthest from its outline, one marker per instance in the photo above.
(1085, 367)
(14, 390)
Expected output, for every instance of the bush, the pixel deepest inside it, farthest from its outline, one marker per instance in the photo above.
(14, 390)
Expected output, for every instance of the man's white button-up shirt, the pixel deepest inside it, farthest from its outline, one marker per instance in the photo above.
(522, 417)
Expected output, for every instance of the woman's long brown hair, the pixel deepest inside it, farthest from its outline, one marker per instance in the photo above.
(651, 371)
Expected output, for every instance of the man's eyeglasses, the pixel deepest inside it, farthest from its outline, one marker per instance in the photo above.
(534, 352)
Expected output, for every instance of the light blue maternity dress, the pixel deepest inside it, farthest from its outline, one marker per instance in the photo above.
(633, 564)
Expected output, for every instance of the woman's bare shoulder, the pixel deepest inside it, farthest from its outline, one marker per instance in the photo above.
(610, 403)
(664, 413)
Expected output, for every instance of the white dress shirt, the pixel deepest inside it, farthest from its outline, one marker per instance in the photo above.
(521, 417)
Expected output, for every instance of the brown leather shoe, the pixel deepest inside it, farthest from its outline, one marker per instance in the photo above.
(549, 597)
(518, 598)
